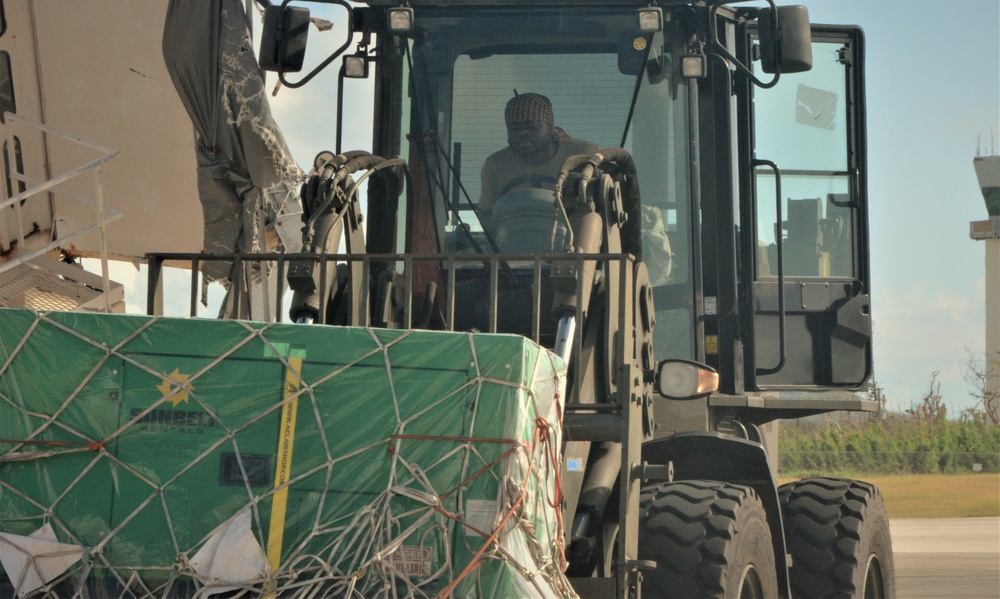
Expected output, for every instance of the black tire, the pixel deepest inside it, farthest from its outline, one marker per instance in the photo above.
(837, 532)
(709, 539)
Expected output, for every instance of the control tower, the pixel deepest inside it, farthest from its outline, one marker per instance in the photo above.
(988, 172)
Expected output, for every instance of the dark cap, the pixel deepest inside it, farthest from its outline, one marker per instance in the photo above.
(525, 108)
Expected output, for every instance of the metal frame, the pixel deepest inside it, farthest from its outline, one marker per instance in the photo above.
(450, 264)
(102, 216)
(856, 165)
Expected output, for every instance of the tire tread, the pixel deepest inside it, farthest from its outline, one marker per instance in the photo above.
(687, 527)
(825, 520)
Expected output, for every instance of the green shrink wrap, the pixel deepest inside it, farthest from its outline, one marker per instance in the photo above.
(159, 457)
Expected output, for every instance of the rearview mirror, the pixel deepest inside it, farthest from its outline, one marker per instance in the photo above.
(283, 38)
(790, 51)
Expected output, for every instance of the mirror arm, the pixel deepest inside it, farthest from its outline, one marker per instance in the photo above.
(332, 57)
(339, 135)
(719, 48)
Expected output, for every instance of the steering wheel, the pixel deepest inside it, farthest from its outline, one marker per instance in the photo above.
(534, 180)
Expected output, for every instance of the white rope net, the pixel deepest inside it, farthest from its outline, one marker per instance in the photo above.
(156, 457)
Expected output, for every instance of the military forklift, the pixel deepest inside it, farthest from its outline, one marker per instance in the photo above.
(704, 274)
(701, 274)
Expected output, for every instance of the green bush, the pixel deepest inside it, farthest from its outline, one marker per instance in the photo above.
(897, 445)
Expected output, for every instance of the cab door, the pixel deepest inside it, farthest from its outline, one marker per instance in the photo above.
(805, 222)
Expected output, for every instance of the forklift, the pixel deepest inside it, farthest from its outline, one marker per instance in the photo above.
(721, 280)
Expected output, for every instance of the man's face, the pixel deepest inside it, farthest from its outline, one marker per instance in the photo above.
(532, 140)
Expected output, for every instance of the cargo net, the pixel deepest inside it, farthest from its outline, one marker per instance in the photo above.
(155, 457)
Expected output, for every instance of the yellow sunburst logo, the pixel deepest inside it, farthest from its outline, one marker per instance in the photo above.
(173, 379)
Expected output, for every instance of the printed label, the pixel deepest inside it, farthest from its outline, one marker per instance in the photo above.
(412, 560)
(712, 345)
(711, 305)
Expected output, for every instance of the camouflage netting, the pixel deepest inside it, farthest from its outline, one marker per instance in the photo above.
(247, 177)
(156, 457)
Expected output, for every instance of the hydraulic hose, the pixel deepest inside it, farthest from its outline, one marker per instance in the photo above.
(327, 197)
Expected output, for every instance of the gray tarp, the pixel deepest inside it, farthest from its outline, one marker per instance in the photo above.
(246, 174)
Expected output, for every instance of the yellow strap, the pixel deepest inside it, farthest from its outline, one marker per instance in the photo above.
(283, 468)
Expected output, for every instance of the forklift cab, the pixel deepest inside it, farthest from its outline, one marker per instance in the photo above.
(753, 200)
(609, 84)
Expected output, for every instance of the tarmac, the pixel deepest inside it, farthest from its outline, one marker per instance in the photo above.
(953, 558)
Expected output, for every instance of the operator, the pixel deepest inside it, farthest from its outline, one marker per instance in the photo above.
(536, 147)
(536, 152)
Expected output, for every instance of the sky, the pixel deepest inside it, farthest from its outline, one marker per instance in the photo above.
(933, 95)
(933, 90)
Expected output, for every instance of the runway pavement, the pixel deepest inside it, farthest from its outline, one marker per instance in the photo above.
(953, 558)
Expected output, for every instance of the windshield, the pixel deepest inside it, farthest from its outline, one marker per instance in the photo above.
(604, 84)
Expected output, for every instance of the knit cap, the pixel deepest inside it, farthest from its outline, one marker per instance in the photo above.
(525, 108)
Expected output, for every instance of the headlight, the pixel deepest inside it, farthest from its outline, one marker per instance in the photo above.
(681, 379)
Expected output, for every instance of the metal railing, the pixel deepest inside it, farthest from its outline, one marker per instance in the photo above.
(39, 190)
(528, 273)
(450, 270)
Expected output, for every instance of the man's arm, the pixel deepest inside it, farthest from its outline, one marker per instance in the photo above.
(487, 191)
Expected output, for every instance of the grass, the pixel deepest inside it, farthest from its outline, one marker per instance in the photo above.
(937, 495)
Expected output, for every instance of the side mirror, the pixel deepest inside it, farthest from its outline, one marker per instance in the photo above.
(682, 379)
(791, 50)
(283, 38)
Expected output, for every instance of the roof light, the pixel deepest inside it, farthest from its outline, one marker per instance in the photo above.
(650, 19)
(401, 20)
(694, 66)
(356, 66)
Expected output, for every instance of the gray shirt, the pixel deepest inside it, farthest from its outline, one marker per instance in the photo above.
(506, 165)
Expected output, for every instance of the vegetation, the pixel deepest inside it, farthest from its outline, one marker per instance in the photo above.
(926, 462)
(896, 445)
(979, 374)
(921, 440)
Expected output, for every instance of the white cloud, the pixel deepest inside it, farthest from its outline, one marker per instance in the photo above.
(921, 329)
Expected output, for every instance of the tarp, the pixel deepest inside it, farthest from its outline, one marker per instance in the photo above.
(246, 175)
(182, 454)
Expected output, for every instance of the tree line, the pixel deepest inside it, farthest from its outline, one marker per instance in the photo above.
(899, 444)
(923, 439)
